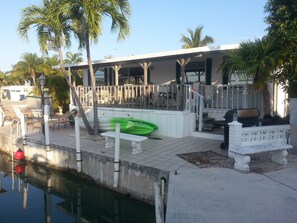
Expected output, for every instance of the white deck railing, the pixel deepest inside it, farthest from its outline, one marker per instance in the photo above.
(214, 99)
(169, 96)
(196, 105)
(165, 97)
(230, 96)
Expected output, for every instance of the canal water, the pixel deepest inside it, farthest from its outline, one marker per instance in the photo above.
(33, 193)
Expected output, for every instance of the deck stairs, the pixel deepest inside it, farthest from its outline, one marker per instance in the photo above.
(209, 130)
(208, 125)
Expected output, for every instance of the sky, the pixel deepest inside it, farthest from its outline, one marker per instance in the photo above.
(155, 26)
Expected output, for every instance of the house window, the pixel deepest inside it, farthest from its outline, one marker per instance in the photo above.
(132, 75)
(237, 78)
(195, 72)
(99, 77)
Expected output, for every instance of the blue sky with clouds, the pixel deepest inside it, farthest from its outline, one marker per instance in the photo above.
(156, 25)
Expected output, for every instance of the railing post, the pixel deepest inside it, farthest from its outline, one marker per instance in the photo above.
(116, 156)
(235, 134)
(200, 113)
(46, 125)
(23, 127)
(77, 144)
(199, 107)
(244, 96)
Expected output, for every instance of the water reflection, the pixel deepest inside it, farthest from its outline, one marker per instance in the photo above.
(31, 193)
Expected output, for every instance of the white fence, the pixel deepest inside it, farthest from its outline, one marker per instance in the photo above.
(163, 97)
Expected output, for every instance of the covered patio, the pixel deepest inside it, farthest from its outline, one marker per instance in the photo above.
(188, 81)
(157, 80)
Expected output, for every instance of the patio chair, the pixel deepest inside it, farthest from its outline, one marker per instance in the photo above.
(30, 118)
(9, 114)
(64, 119)
(27, 112)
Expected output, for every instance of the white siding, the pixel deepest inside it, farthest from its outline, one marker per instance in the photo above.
(85, 78)
(216, 73)
(163, 72)
(176, 124)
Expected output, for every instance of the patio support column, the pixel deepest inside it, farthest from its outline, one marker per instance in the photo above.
(116, 69)
(71, 97)
(183, 62)
(145, 67)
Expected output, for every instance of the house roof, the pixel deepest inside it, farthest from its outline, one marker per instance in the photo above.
(158, 56)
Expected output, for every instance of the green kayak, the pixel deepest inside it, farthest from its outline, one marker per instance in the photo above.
(140, 127)
(125, 125)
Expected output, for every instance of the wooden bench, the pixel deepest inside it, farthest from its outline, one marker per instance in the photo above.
(135, 139)
(252, 140)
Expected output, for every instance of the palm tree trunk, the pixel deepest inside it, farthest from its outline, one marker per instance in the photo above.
(33, 75)
(266, 99)
(80, 108)
(93, 84)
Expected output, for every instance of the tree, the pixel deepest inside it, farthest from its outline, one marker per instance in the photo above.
(2, 77)
(13, 79)
(282, 31)
(87, 17)
(254, 60)
(53, 29)
(29, 66)
(74, 58)
(195, 39)
(56, 83)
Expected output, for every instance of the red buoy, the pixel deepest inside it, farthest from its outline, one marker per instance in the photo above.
(19, 169)
(19, 154)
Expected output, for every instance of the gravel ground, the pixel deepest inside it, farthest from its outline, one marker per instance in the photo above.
(260, 163)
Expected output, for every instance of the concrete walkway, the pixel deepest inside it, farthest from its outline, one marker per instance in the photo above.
(225, 195)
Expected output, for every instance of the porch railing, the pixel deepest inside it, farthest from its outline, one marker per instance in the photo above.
(196, 105)
(165, 97)
(224, 97)
(213, 99)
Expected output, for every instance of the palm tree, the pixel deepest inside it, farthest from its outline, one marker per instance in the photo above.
(282, 30)
(195, 39)
(254, 60)
(13, 78)
(73, 58)
(50, 62)
(29, 66)
(87, 18)
(2, 77)
(53, 32)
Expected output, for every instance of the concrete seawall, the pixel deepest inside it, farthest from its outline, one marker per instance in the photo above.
(134, 179)
(80, 198)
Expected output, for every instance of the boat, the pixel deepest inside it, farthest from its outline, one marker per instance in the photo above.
(140, 127)
(105, 124)
(127, 125)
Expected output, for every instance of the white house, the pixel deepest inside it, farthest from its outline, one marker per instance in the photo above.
(15, 92)
(173, 89)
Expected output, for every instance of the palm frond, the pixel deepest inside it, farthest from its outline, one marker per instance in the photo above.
(195, 38)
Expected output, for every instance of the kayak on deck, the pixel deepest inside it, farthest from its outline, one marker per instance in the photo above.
(128, 125)
(140, 127)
